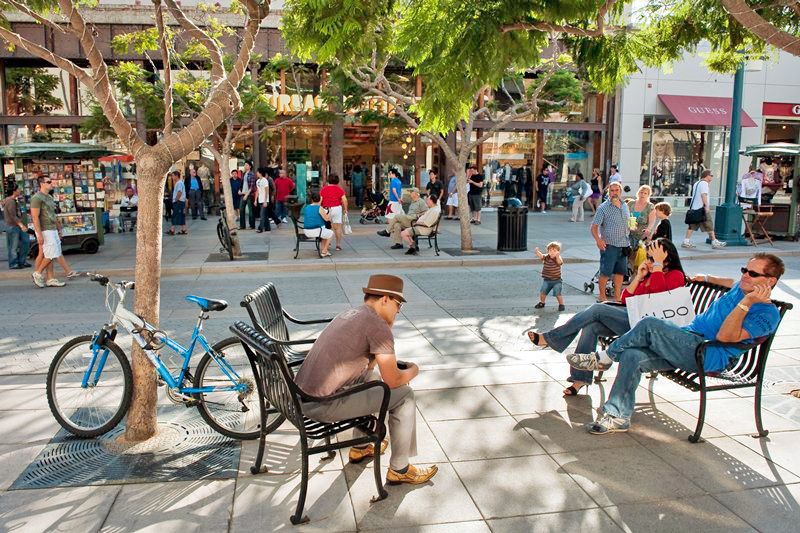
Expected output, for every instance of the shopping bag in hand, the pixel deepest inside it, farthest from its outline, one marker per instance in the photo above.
(673, 306)
(346, 221)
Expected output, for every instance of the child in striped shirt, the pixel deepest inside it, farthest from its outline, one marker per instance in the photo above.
(551, 274)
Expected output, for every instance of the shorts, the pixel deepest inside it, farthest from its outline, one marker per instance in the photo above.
(453, 200)
(322, 233)
(52, 244)
(336, 214)
(551, 285)
(474, 202)
(613, 262)
(707, 225)
(178, 214)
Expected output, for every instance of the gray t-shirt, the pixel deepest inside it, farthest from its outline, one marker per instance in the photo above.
(341, 355)
(47, 210)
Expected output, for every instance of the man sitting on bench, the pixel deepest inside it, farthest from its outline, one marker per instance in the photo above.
(128, 208)
(423, 225)
(345, 354)
(742, 315)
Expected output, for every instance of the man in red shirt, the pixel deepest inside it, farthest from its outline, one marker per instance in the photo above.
(284, 185)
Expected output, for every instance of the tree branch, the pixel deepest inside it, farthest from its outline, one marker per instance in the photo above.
(761, 28)
(217, 66)
(43, 53)
(22, 8)
(599, 30)
(165, 61)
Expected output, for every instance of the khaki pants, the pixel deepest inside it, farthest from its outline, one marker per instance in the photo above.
(402, 416)
(397, 225)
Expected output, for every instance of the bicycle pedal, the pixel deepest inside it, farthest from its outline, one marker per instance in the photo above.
(190, 403)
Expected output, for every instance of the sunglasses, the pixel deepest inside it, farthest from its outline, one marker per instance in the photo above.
(754, 274)
(399, 303)
(48, 181)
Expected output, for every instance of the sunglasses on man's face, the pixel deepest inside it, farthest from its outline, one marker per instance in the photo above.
(753, 273)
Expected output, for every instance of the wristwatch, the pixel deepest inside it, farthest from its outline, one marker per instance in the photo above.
(657, 264)
(743, 307)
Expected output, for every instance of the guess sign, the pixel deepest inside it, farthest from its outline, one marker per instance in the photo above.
(707, 110)
(780, 109)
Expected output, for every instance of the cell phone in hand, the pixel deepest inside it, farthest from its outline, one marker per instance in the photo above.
(402, 365)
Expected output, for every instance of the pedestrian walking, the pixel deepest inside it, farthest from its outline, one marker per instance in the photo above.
(179, 203)
(700, 201)
(17, 241)
(597, 186)
(46, 226)
(551, 274)
(542, 184)
(262, 187)
(358, 179)
(582, 193)
(284, 185)
(610, 232)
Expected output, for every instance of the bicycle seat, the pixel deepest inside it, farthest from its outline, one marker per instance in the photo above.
(207, 304)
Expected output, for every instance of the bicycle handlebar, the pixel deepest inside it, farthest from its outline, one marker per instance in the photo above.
(103, 280)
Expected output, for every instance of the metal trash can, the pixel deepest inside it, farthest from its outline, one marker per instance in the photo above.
(512, 229)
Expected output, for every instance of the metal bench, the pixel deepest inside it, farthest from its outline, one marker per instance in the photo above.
(277, 389)
(433, 235)
(745, 371)
(268, 317)
(301, 237)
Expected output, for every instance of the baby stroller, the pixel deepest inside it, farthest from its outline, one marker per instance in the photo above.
(377, 211)
(589, 285)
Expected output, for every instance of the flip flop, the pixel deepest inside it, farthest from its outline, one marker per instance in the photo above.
(534, 338)
(572, 390)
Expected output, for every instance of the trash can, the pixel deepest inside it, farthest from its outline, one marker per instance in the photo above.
(512, 229)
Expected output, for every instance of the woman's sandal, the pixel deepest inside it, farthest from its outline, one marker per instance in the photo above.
(572, 390)
(535, 337)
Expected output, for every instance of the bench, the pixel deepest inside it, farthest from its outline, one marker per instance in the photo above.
(268, 317)
(276, 388)
(746, 371)
(301, 237)
(433, 235)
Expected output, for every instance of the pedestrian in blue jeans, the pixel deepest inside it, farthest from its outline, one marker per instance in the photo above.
(610, 232)
(743, 314)
(17, 241)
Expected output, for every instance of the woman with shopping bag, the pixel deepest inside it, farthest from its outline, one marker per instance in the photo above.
(661, 271)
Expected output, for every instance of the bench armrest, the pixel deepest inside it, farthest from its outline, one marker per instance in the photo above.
(306, 322)
(354, 390)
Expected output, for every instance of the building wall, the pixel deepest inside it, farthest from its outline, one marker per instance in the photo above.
(765, 81)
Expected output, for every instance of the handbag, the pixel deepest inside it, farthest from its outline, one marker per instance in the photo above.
(695, 216)
(346, 222)
(673, 306)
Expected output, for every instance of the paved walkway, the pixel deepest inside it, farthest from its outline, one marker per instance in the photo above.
(512, 453)
(273, 251)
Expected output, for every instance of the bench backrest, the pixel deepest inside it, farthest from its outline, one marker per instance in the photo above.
(279, 387)
(266, 312)
(751, 364)
(298, 225)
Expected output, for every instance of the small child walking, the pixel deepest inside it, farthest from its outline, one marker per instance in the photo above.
(551, 274)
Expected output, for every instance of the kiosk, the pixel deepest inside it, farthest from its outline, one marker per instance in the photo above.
(784, 219)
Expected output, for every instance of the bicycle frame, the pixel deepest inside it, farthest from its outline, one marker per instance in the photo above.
(135, 325)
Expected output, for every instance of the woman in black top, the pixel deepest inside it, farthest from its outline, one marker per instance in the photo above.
(597, 190)
(542, 182)
(475, 181)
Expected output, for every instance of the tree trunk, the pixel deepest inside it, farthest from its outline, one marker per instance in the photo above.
(230, 213)
(463, 208)
(142, 422)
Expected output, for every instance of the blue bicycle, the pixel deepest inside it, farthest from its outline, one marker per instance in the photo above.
(90, 384)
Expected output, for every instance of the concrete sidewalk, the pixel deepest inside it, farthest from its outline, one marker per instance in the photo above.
(273, 252)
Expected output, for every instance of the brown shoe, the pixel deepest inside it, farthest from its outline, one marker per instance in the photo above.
(413, 476)
(359, 454)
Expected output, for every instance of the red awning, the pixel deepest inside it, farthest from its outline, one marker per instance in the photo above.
(703, 110)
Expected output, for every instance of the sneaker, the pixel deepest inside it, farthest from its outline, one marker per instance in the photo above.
(54, 283)
(38, 279)
(397, 246)
(562, 307)
(718, 244)
(586, 361)
(413, 476)
(285, 220)
(606, 423)
(539, 305)
(383, 233)
(357, 455)
(73, 275)
(688, 244)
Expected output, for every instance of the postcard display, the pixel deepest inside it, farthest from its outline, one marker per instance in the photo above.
(78, 189)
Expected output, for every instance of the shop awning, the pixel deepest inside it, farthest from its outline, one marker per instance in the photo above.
(703, 110)
(772, 149)
(54, 150)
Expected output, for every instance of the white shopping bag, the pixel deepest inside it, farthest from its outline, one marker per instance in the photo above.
(673, 306)
(348, 230)
(395, 208)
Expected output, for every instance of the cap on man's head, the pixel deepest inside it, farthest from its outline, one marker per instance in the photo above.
(385, 285)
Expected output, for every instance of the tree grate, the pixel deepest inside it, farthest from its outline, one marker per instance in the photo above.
(185, 449)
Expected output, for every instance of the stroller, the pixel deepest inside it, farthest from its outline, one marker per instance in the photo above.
(377, 211)
(589, 285)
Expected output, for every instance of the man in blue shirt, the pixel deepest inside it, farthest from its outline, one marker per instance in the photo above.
(610, 232)
(744, 314)
(195, 190)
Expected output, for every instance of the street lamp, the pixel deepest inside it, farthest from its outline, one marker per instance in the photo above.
(728, 218)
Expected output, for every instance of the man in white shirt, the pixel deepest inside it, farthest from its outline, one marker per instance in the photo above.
(262, 199)
(700, 200)
(423, 226)
(128, 207)
(614, 175)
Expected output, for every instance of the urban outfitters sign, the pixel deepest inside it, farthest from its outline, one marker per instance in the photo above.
(295, 104)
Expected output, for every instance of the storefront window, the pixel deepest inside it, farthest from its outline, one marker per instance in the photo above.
(673, 157)
(781, 170)
(569, 152)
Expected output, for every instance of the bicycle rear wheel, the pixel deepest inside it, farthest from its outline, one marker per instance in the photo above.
(97, 407)
(234, 414)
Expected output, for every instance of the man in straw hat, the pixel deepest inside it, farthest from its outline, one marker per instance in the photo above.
(345, 354)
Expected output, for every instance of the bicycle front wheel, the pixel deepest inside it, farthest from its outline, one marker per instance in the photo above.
(234, 414)
(89, 389)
